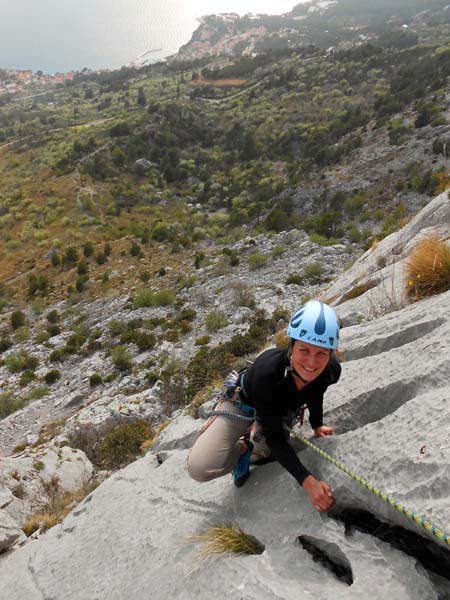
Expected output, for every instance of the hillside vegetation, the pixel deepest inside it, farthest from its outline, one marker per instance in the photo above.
(137, 181)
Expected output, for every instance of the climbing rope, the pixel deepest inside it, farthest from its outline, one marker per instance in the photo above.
(418, 519)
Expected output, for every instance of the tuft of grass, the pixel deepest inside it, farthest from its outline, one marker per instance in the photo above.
(257, 261)
(225, 539)
(428, 269)
(215, 320)
(59, 506)
(358, 290)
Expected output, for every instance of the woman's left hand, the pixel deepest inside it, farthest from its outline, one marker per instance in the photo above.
(323, 431)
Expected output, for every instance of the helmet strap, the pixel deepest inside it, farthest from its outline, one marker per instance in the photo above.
(294, 372)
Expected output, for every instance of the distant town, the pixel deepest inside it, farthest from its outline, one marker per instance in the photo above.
(13, 81)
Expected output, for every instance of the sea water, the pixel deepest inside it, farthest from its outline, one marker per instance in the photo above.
(65, 35)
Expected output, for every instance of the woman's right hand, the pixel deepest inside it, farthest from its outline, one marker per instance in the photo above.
(319, 493)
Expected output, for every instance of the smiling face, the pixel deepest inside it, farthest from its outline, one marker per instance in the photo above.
(308, 360)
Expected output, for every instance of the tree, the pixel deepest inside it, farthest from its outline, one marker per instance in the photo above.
(141, 98)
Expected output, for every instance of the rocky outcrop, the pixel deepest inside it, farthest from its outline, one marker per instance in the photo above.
(390, 413)
(381, 268)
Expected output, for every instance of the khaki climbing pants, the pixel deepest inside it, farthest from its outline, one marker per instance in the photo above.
(217, 448)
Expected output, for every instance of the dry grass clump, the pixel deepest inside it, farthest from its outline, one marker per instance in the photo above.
(428, 269)
(358, 290)
(58, 506)
(151, 441)
(281, 339)
(227, 539)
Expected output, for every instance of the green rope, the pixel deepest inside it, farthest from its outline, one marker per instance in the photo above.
(418, 519)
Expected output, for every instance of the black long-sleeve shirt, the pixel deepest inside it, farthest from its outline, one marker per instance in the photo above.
(272, 391)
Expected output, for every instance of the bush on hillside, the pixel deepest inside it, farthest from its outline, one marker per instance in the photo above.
(121, 358)
(17, 319)
(122, 444)
(21, 361)
(146, 298)
(428, 269)
(9, 404)
(215, 320)
(257, 261)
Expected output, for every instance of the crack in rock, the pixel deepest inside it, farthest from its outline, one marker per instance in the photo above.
(431, 555)
(373, 406)
(329, 555)
(395, 340)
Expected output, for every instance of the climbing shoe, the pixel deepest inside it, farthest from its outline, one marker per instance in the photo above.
(241, 471)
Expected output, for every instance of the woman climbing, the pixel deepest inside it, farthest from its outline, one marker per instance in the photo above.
(267, 397)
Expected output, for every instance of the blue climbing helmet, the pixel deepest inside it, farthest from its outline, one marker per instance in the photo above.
(315, 323)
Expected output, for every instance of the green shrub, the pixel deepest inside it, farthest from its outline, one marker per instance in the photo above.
(37, 393)
(70, 257)
(257, 261)
(243, 296)
(37, 283)
(37, 306)
(100, 258)
(88, 249)
(187, 314)
(107, 249)
(21, 361)
(143, 298)
(314, 272)
(38, 465)
(203, 340)
(57, 356)
(278, 251)
(95, 379)
(117, 327)
(121, 358)
(17, 319)
(42, 337)
(151, 377)
(26, 378)
(74, 343)
(215, 320)
(294, 278)
(172, 335)
(9, 404)
(53, 330)
(21, 334)
(321, 240)
(164, 297)
(144, 276)
(53, 316)
(82, 267)
(147, 298)
(143, 339)
(80, 283)
(55, 259)
(52, 376)
(122, 444)
(135, 249)
(5, 343)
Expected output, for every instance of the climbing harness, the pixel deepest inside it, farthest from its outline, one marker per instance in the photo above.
(232, 385)
(418, 519)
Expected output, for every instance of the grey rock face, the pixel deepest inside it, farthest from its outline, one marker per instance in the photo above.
(10, 533)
